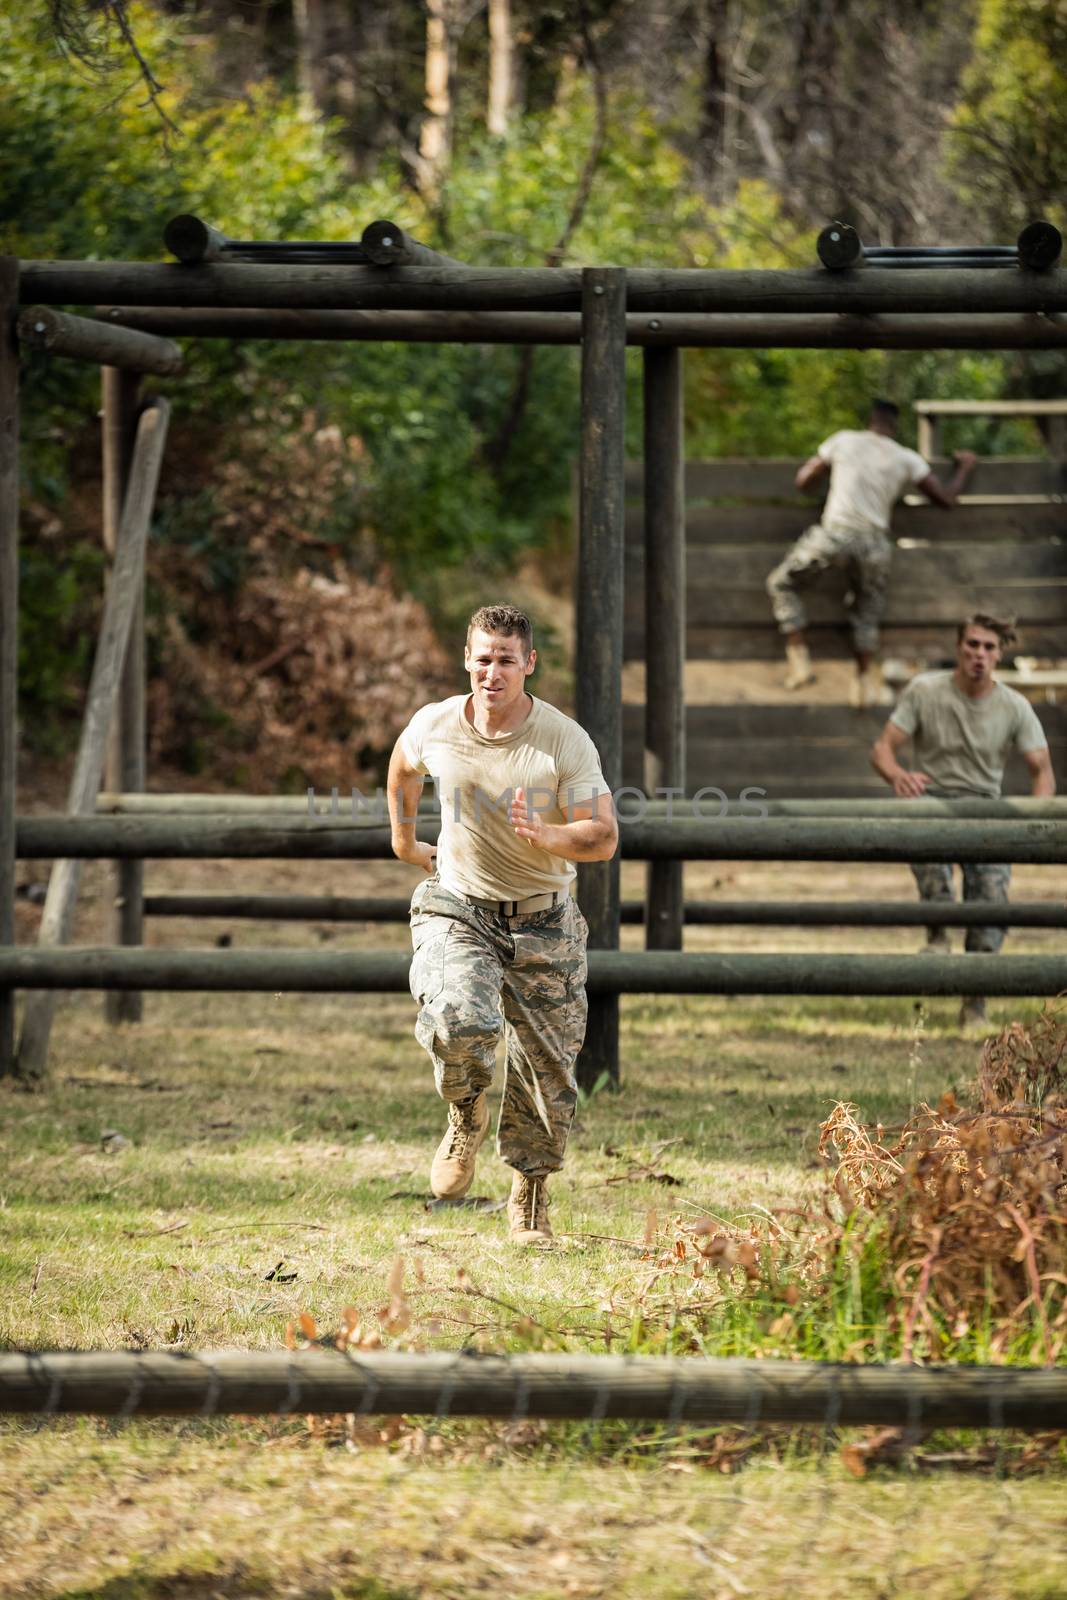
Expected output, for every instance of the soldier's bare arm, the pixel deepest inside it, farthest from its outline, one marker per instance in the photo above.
(945, 495)
(1042, 777)
(592, 834)
(905, 785)
(813, 469)
(404, 786)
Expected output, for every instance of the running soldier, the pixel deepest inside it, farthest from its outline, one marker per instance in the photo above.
(963, 724)
(869, 471)
(498, 940)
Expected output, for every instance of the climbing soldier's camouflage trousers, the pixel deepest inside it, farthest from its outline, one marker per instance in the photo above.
(982, 880)
(866, 558)
(474, 971)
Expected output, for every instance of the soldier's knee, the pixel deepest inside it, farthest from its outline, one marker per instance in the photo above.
(457, 1029)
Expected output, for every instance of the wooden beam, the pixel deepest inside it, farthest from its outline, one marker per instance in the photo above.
(9, 623)
(721, 723)
(708, 1390)
(649, 289)
(728, 838)
(126, 767)
(665, 623)
(990, 408)
(89, 339)
(611, 972)
(708, 330)
(598, 643)
(386, 245)
(703, 913)
(123, 590)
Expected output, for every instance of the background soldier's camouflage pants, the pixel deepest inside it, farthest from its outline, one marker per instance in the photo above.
(865, 556)
(981, 881)
(473, 972)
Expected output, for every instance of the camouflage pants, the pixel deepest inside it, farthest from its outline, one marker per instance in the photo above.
(475, 972)
(981, 881)
(866, 558)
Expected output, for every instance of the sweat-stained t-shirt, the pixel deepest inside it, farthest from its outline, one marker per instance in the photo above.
(475, 777)
(869, 473)
(962, 742)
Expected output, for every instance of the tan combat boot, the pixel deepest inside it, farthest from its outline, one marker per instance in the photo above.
(528, 1210)
(452, 1171)
(798, 660)
(869, 689)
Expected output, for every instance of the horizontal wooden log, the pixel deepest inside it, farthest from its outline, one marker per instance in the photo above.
(727, 839)
(860, 839)
(658, 805)
(716, 913)
(772, 478)
(193, 240)
(735, 330)
(467, 1383)
(87, 339)
(990, 408)
(649, 289)
(610, 972)
(386, 245)
(725, 525)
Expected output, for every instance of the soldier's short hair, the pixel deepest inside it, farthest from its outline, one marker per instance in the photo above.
(886, 410)
(506, 620)
(1005, 631)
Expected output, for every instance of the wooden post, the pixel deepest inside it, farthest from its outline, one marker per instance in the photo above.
(125, 770)
(9, 621)
(598, 646)
(928, 429)
(123, 590)
(664, 626)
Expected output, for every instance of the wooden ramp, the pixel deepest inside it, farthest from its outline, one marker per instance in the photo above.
(742, 516)
(801, 752)
(1003, 549)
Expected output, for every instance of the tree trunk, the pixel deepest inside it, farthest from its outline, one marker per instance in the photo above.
(435, 137)
(501, 67)
(342, 55)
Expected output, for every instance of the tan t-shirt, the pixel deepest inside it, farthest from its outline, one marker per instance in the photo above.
(961, 742)
(869, 473)
(549, 756)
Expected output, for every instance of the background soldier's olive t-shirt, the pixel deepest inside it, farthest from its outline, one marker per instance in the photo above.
(549, 756)
(962, 743)
(869, 474)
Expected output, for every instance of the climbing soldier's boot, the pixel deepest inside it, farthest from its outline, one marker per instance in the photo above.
(528, 1210)
(869, 688)
(452, 1171)
(798, 661)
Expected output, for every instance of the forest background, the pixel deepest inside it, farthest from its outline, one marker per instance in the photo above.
(328, 513)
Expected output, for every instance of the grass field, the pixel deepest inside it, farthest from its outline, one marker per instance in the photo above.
(271, 1161)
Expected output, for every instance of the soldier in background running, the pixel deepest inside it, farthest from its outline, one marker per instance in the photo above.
(963, 724)
(869, 471)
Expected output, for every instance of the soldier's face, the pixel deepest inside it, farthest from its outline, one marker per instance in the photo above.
(977, 654)
(498, 670)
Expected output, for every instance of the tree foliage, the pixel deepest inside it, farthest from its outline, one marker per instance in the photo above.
(697, 134)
